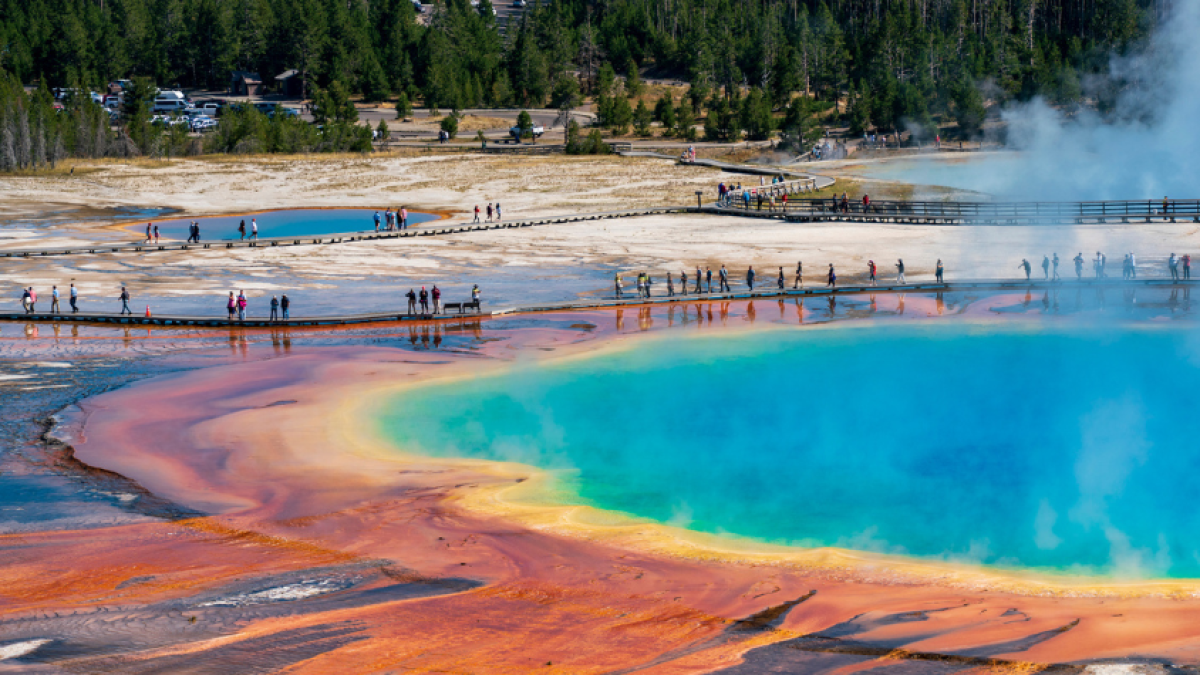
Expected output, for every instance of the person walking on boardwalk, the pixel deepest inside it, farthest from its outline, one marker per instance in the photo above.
(424, 300)
(1125, 267)
(670, 286)
(285, 304)
(646, 288)
(1096, 265)
(148, 232)
(641, 285)
(274, 308)
(242, 303)
(698, 275)
(73, 298)
(799, 275)
(872, 271)
(499, 217)
(254, 229)
(831, 278)
(618, 284)
(1172, 264)
(1024, 265)
(412, 301)
(940, 272)
(125, 301)
(475, 293)
(54, 308)
(436, 294)
(708, 278)
(750, 277)
(1055, 276)
(242, 230)
(781, 282)
(683, 282)
(900, 271)
(1046, 267)
(489, 212)
(1132, 266)
(156, 234)
(723, 278)
(377, 219)
(231, 305)
(1078, 266)
(476, 214)
(1187, 266)
(26, 301)
(32, 300)
(403, 218)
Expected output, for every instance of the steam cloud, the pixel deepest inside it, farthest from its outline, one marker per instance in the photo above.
(1148, 147)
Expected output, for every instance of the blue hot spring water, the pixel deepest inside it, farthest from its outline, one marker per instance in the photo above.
(285, 223)
(1062, 449)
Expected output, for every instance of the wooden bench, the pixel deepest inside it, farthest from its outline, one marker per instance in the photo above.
(462, 306)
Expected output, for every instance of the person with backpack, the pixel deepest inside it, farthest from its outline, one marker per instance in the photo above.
(242, 303)
(723, 278)
(831, 278)
(242, 231)
(26, 301)
(900, 271)
(871, 272)
(125, 301)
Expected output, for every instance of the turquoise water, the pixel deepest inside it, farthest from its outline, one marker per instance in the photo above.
(1051, 448)
(286, 223)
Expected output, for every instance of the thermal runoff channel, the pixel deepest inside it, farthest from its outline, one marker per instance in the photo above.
(1029, 446)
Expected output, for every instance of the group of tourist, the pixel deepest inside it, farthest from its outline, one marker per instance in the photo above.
(491, 210)
(237, 305)
(29, 299)
(424, 297)
(392, 221)
(253, 229)
(1100, 262)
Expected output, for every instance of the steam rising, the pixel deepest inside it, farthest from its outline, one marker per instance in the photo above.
(1146, 147)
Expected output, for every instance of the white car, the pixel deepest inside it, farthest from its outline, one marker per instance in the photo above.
(202, 123)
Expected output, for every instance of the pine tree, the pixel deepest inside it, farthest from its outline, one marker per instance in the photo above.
(642, 118)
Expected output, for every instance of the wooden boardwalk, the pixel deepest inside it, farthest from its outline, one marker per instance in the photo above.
(765, 293)
(266, 242)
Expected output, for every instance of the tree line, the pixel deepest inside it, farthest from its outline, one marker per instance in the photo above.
(876, 64)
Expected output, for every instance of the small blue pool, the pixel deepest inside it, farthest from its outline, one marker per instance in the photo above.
(286, 223)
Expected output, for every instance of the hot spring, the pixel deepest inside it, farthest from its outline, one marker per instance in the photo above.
(1059, 446)
(284, 223)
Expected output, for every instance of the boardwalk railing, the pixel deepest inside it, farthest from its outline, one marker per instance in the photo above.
(995, 211)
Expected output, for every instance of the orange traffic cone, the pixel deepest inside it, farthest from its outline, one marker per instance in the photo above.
(147, 311)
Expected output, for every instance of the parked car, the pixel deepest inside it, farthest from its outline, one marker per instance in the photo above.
(203, 123)
(211, 108)
(169, 105)
(536, 129)
(519, 3)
